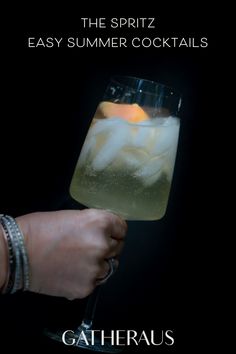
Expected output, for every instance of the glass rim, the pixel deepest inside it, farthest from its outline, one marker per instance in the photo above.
(117, 79)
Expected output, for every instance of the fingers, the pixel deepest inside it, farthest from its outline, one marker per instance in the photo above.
(117, 232)
(109, 223)
(115, 248)
(104, 269)
(114, 225)
(110, 233)
(118, 227)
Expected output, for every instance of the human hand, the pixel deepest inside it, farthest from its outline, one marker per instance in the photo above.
(68, 249)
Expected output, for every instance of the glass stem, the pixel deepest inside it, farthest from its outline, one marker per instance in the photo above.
(90, 309)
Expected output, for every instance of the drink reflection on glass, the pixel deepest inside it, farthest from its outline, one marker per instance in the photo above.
(127, 160)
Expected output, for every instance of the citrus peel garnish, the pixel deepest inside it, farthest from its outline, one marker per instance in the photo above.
(133, 113)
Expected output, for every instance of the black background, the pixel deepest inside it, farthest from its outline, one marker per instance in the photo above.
(50, 95)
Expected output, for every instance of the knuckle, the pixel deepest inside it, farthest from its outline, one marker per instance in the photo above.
(104, 222)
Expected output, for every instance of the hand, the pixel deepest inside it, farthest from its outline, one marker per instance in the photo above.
(68, 249)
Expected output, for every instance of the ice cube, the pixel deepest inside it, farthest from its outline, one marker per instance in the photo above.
(117, 138)
(89, 145)
(170, 162)
(147, 182)
(152, 167)
(166, 137)
(130, 157)
(103, 125)
(153, 135)
(166, 121)
(142, 137)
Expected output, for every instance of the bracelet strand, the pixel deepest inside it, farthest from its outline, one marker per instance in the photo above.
(18, 270)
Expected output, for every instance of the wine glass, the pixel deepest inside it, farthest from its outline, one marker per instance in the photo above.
(127, 161)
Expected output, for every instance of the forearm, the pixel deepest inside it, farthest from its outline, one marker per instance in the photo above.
(3, 258)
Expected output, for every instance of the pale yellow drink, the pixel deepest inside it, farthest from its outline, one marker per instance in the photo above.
(126, 166)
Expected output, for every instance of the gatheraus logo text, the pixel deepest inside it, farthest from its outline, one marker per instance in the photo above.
(120, 337)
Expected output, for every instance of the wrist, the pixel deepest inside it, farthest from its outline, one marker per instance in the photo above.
(3, 259)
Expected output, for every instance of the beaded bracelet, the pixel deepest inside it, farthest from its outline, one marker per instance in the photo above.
(18, 274)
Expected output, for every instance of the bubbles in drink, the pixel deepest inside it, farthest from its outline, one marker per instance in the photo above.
(127, 161)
